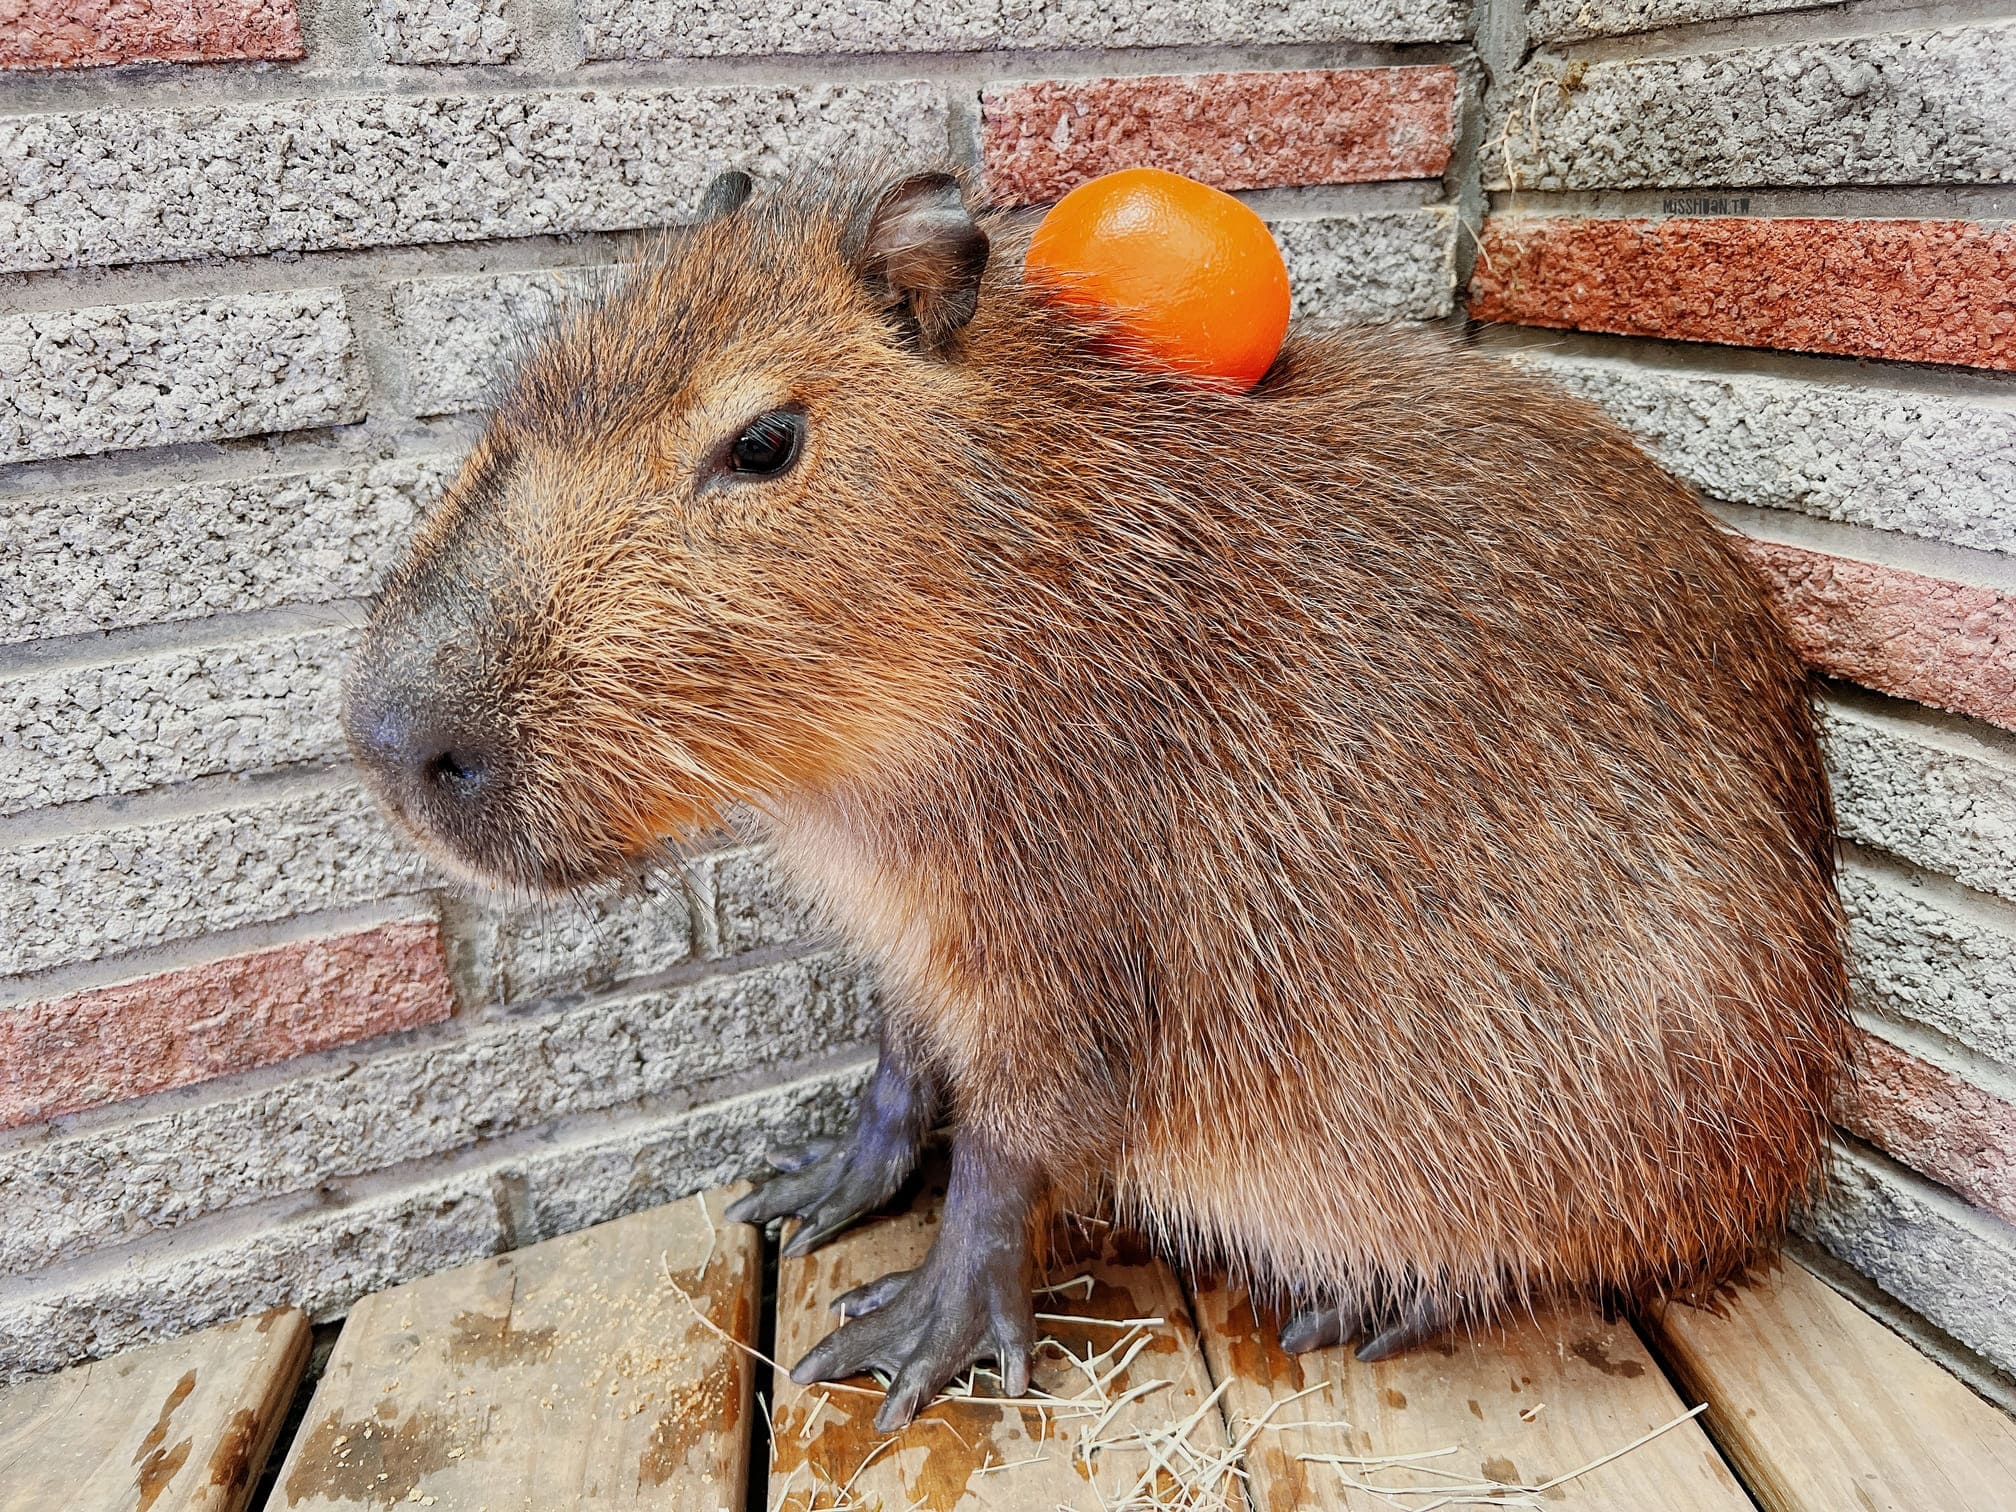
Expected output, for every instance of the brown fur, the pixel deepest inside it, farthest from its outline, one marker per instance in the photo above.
(1373, 825)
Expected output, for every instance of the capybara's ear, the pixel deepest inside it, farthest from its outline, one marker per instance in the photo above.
(725, 194)
(921, 253)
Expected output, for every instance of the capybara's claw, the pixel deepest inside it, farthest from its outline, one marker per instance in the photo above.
(1416, 1324)
(1386, 1332)
(828, 1186)
(1322, 1328)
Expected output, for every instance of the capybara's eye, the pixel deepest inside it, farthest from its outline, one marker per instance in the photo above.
(769, 445)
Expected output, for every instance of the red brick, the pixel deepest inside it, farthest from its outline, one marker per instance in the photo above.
(1235, 130)
(62, 1054)
(1914, 290)
(1953, 1131)
(84, 33)
(1924, 638)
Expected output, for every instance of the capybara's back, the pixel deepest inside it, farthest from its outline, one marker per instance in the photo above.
(1520, 867)
(1371, 826)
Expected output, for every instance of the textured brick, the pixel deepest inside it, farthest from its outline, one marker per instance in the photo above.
(1234, 130)
(1391, 265)
(742, 904)
(716, 906)
(1936, 797)
(733, 28)
(1927, 465)
(85, 33)
(77, 382)
(443, 31)
(58, 1055)
(596, 1180)
(1902, 108)
(1949, 644)
(80, 897)
(112, 1185)
(1564, 20)
(1936, 1122)
(323, 1260)
(84, 732)
(583, 944)
(126, 186)
(1927, 952)
(99, 559)
(1914, 290)
(1954, 1265)
(318, 1260)
(457, 335)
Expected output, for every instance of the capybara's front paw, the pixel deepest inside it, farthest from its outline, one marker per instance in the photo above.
(830, 1183)
(922, 1328)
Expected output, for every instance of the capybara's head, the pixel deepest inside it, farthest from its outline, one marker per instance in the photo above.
(702, 553)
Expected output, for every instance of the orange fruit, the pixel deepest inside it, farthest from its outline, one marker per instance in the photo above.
(1191, 274)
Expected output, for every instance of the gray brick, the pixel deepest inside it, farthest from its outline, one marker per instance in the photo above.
(744, 905)
(1924, 464)
(1931, 794)
(458, 336)
(127, 726)
(80, 897)
(570, 947)
(321, 1261)
(1565, 20)
(112, 1185)
(1955, 1265)
(1902, 108)
(98, 559)
(443, 31)
(1925, 951)
(122, 186)
(74, 383)
(732, 28)
(715, 906)
(1393, 265)
(594, 1181)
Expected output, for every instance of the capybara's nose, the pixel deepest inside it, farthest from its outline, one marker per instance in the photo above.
(460, 772)
(426, 761)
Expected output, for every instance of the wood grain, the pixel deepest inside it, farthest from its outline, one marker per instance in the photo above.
(1826, 1410)
(825, 1450)
(1518, 1406)
(571, 1374)
(181, 1426)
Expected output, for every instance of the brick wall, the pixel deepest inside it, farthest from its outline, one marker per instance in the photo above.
(255, 281)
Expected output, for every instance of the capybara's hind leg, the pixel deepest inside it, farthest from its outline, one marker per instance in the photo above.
(1324, 1326)
(1387, 1330)
(1411, 1325)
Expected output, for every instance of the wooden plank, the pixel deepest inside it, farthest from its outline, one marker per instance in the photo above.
(826, 1454)
(1824, 1409)
(571, 1374)
(183, 1424)
(1517, 1406)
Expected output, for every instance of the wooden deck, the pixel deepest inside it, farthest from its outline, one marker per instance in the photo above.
(621, 1367)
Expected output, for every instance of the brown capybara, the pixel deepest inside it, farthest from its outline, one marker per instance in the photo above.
(1368, 829)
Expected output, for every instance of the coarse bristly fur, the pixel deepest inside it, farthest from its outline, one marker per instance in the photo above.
(1371, 826)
